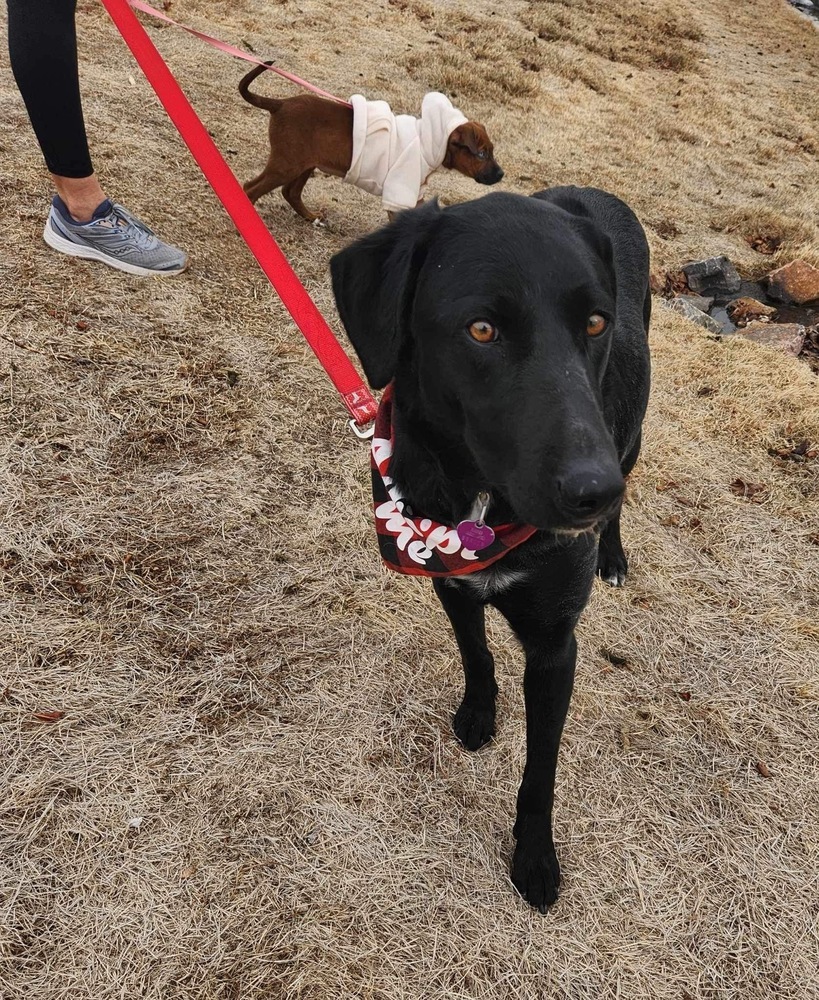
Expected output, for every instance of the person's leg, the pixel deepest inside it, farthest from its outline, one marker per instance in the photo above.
(43, 56)
(82, 221)
(80, 195)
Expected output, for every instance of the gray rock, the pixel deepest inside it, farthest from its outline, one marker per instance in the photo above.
(749, 290)
(810, 8)
(713, 276)
(679, 305)
(701, 302)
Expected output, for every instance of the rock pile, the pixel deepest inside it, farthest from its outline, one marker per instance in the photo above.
(781, 311)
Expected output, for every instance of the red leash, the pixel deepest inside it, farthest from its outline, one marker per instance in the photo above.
(357, 397)
(233, 51)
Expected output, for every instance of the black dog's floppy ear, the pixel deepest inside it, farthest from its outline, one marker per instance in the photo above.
(373, 285)
(599, 240)
(574, 201)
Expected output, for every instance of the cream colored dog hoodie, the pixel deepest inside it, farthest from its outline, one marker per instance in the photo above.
(393, 155)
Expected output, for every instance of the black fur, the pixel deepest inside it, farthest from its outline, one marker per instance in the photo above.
(547, 419)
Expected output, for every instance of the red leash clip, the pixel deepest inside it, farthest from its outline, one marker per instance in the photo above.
(363, 408)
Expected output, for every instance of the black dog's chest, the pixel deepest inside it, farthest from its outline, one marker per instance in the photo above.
(540, 564)
(487, 583)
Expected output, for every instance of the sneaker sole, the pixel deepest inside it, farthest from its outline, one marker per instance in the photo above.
(60, 243)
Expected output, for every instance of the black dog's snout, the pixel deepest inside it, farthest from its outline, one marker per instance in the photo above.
(586, 493)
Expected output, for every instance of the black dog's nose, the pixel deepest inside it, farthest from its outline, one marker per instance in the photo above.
(585, 493)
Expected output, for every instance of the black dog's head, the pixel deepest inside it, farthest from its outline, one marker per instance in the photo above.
(495, 318)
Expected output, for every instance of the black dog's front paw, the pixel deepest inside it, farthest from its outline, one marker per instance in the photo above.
(612, 565)
(474, 722)
(536, 872)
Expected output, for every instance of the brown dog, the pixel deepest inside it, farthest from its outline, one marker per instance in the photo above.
(309, 132)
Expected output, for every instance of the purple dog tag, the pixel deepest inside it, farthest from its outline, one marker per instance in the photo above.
(475, 536)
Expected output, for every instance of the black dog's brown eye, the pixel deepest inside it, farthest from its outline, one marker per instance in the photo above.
(483, 331)
(596, 325)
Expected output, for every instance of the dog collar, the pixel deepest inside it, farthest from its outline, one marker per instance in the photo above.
(419, 546)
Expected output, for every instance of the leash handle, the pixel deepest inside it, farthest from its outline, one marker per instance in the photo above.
(231, 50)
(356, 396)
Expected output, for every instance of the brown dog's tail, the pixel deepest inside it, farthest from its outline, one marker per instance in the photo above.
(268, 103)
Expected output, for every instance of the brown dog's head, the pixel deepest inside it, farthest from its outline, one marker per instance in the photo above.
(470, 151)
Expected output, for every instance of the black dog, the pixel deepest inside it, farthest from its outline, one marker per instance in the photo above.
(514, 331)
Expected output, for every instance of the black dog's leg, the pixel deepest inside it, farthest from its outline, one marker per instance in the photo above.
(550, 650)
(547, 686)
(474, 722)
(612, 564)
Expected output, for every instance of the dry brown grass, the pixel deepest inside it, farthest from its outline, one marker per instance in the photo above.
(629, 31)
(787, 233)
(475, 57)
(254, 792)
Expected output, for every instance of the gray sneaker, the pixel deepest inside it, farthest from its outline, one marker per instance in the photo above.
(115, 237)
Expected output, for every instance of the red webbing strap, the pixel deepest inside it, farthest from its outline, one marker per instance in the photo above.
(357, 397)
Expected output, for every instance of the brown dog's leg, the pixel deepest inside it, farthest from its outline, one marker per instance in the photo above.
(267, 180)
(292, 195)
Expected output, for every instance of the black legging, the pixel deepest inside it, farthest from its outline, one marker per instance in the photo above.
(43, 54)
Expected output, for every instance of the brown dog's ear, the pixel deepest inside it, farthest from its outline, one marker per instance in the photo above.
(467, 135)
(374, 284)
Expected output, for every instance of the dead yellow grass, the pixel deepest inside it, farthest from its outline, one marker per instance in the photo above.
(789, 233)
(253, 791)
(474, 57)
(647, 36)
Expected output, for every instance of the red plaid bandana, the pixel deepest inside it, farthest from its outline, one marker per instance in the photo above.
(416, 545)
